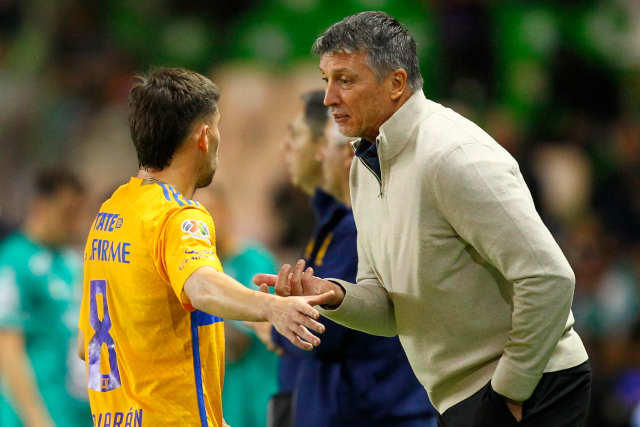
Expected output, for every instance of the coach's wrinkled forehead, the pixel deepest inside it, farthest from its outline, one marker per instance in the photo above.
(388, 44)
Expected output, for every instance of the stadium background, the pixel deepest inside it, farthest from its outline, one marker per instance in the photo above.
(556, 82)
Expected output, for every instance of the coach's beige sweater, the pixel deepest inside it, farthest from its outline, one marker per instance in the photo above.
(454, 259)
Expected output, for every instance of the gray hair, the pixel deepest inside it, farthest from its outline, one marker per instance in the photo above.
(388, 44)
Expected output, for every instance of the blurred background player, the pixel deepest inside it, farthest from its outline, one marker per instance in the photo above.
(251, 370)
(352, 379)
(154, 297)
(39, 294)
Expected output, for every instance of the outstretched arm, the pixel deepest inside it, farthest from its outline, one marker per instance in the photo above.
(216, 293)
(190, 265)
(365, 306)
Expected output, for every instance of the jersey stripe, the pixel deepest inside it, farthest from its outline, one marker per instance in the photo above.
(165, 190)
(197, 368)
(177, 196)
(204, 319)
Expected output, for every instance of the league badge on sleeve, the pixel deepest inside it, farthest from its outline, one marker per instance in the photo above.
(196, 229)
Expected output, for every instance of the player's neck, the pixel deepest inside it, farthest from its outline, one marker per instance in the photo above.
(175, 177)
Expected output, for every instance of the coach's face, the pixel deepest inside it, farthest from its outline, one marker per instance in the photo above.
(359, 103)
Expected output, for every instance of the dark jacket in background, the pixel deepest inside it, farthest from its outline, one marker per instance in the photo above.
(352, 379)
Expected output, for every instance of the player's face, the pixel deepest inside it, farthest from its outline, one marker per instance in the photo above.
(300, 151)
(359, 103)
(210, 165)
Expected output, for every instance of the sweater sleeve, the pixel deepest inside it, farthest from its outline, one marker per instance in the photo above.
(367, 306)
(485, 199)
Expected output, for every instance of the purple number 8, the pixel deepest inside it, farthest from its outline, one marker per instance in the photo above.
(98, 381)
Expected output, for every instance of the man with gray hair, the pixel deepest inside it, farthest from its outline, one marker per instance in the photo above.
(453, 256)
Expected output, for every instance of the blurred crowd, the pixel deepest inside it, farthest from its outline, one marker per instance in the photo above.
(556, 83)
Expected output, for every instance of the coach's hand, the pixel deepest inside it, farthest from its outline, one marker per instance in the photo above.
(293, 317)
(516, 408)
(300, 283)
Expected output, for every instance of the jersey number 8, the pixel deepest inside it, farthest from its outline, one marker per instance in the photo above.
(97, 380)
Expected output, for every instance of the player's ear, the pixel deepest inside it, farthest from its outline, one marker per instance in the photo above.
(203, 138)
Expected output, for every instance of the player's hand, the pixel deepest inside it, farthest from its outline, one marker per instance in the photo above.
(294, 316)
(300, 283)
(224, 423)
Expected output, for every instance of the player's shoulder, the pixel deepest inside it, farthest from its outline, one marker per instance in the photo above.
(157, 201)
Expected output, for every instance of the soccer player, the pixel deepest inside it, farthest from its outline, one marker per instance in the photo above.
(42, 381)
(154, 290)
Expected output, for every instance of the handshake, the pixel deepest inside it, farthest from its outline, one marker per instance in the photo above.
(302, 284)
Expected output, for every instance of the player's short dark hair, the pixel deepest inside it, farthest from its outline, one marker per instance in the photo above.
(316, 113)
(388, 45)
(50, 182)
(163, 106)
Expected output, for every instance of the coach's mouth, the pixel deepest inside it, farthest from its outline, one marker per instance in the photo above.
(340, 118)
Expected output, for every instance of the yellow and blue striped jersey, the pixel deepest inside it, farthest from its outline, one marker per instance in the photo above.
(151, 359)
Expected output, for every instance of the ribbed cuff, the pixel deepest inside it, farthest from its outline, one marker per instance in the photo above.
(350, 307)
(513, 384)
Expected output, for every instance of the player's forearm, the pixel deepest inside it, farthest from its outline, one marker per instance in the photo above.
(218, 294)
(16, 368)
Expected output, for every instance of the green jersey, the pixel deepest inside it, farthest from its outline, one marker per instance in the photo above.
(39, 295)
(250, 382)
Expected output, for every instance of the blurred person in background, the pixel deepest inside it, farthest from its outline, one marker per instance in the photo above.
(251, 370)
(606, 304)
(43, 381)
(353, 379)
(606, 307)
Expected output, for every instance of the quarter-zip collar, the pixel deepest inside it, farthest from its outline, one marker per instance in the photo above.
(398, 130)
(368, 153)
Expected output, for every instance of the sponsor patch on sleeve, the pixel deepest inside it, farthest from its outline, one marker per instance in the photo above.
(196, 229)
